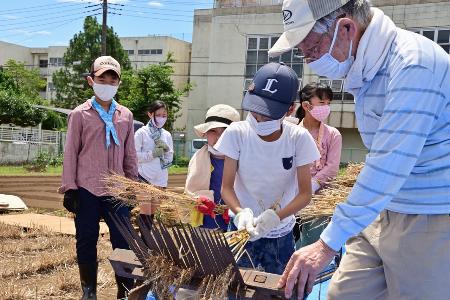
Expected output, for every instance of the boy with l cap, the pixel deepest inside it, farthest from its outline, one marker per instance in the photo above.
(266, 176)
(206, 166)
(100, 140)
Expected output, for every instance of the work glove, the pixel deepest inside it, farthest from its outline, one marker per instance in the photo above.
(163, 145)
(244, 220)
(158, 152)
(315, 186)
(71, 202)
(265, 223)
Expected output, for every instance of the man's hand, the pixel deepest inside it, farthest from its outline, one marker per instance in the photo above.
(264, 223)
(303, 268)
(70, 201)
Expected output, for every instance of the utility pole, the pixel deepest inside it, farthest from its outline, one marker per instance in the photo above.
(105, 13)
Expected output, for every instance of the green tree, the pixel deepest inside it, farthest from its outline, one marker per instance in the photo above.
(71, 86)
(149, 84)
(19, 90)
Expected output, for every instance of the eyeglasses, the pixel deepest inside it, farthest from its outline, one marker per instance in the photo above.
(307, 54)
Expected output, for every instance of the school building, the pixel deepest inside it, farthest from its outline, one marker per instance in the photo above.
(231, 40)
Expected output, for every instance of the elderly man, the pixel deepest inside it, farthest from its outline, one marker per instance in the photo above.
(396, 220)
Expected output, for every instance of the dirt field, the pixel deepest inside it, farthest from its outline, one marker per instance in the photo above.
(41, 265)
(40, 191)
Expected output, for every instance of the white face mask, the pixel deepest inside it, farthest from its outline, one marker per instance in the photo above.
(213, 151)
(105, 91)
(160, 121)
(329, 66)
(264, 128)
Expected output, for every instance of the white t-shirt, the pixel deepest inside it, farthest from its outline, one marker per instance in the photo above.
(149, 167)
(267, 171)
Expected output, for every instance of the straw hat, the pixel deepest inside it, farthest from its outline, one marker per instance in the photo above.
(220, 115)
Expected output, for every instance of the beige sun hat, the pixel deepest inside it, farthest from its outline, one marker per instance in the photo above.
(299, 17)
(103, 64)
(220, 115)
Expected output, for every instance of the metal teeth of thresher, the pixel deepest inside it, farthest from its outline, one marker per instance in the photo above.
(205, 251)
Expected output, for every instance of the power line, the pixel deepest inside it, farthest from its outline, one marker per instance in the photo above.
(63, 12)
(36, 8)
(59, 27)
(152, 13)
(45, 19)
(69, 20)
(5, 28)
(150, 18)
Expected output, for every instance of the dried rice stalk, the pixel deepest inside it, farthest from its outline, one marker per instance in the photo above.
(172, 208)
(162, 274)
(337, 191)
(216, 287)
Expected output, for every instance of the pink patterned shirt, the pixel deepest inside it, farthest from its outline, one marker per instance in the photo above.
(86, 158)
(330, 155)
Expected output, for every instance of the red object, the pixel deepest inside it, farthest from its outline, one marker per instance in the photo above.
(206, 206)
(226, 216)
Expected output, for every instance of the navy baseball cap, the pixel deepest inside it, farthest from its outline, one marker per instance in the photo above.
(274, 88)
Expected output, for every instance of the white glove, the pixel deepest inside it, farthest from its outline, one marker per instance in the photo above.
(265, 223)
(244, 220)
(315, 186)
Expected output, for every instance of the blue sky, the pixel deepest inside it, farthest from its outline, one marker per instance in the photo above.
(42, 23)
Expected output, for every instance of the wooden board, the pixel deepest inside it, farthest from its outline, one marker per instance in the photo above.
(51, 223)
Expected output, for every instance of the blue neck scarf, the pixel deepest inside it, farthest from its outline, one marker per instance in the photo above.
(107, 118)
(155, 134)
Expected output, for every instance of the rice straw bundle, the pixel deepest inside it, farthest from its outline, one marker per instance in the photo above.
(237, 241)
(171, 208)
(337, 191)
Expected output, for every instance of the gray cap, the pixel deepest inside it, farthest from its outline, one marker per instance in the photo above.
(299, 17)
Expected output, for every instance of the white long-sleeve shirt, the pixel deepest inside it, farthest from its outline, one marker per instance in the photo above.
(401, 84)
(149, 167)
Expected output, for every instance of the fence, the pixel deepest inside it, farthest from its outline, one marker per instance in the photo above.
(19, 145)
(353, 155)
(29, 135)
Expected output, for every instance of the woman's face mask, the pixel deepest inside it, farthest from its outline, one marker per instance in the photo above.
(159, 121)
(264, 128)
(320, 112)
(329, 66)
(105, 92)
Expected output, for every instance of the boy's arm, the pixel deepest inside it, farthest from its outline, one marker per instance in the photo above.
(228, 194)
(303, 198)
(71, 150)
(130, 160)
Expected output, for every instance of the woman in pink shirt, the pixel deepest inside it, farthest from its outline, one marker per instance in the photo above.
(314, 109)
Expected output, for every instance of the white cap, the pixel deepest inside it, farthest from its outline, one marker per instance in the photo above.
(220, 115)
(299, 17)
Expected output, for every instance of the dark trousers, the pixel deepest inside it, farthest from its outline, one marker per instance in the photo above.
(91, 209)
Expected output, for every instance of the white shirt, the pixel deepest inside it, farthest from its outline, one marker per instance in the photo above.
(267, 171)
(149, 167)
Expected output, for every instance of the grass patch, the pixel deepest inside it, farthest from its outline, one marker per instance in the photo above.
(20, 171)
(174, 170)
(54, 171)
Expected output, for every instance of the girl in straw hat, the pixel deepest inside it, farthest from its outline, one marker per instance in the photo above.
(206, 166)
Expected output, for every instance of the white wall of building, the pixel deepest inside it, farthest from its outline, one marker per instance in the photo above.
(220, 45)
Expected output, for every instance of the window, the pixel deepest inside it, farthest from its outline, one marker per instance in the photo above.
(337, 86)
(130, 52)
(150, 51)
(56, 61)
(438, 35)
(257, 56)
(43, 63)
(51, 87)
